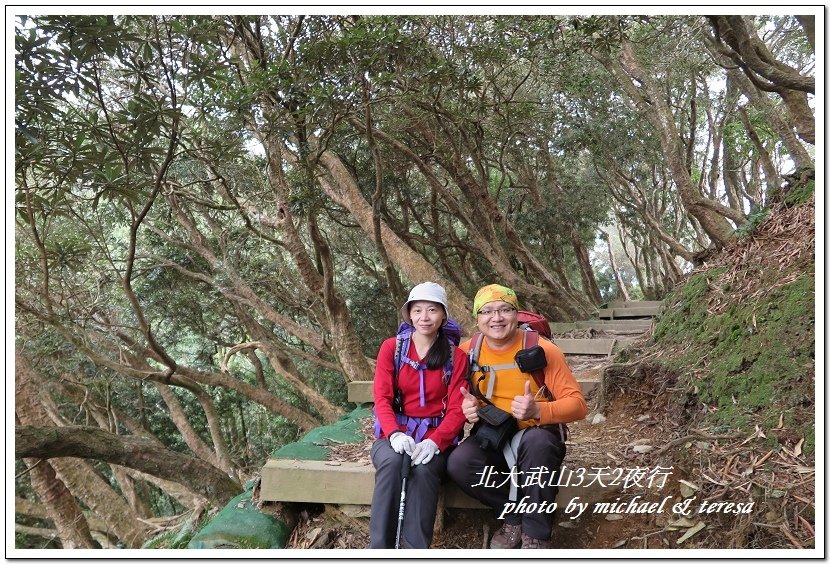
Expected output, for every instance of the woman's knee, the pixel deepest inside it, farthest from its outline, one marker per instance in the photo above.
(384, 457)
(432, 474)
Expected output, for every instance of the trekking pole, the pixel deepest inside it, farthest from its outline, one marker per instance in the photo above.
(407, 460)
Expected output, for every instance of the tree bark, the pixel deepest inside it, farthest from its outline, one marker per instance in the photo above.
(636, 200)
(131, 490)
(182, 493)
(552, 294)
(779, 121)
(753, 55)
(393, 281)
(189, 435)
(653, 107)
(72, 526)
(343, 190)
(239, 290)
(735, 38)
(589, 281)
(809, 25)
(771, 174)
(133, 452)
(58, 501)
(284, 366)
(185, 376)
(617, 274)
(64, 476)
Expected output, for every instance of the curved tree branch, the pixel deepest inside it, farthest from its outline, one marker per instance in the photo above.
(139, 453)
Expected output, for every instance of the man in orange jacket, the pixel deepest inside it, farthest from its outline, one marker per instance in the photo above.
(539, 442)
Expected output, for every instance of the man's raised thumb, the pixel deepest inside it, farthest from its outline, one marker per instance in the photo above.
(527, 387)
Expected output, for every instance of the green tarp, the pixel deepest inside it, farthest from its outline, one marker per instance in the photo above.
(315, 444)
(241, 525)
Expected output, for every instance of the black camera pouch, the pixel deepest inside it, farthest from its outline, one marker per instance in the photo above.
(531, 360)
(495, 428)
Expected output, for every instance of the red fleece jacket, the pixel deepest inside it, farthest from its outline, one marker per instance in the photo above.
(435, 394)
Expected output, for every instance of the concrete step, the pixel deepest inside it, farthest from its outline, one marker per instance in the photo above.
(623, 312)
(642, 303)
(602, 347)
(352, 483)
(626, 325)
(633, 325)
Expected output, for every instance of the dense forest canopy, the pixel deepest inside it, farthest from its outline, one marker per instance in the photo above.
(217, 217)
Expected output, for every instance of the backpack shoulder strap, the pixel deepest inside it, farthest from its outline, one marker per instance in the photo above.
(397, 358)
(473, 353)
(402, 340)
(531, 339)
(475, 350)
(448, 365)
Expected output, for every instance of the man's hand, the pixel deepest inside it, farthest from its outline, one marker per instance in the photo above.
(424, 451)
(469, 405)
(525, 407)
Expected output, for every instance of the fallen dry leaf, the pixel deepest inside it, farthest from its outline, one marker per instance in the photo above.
(619, 543)
(687, 489)
(797, 448)
(613, 517)
(691, 532)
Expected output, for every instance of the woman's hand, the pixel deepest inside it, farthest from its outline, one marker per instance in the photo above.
(424, 451)
(401, 442)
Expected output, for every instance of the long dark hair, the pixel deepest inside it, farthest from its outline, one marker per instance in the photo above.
(439, 352)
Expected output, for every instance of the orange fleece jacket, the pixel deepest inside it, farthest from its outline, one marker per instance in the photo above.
(569, 404)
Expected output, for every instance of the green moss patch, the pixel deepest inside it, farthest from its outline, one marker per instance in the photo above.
(751, 359)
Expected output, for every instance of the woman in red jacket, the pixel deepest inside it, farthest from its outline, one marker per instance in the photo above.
(417, 398)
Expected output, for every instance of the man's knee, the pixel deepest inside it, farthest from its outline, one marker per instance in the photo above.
(541, 447)
(460, 461)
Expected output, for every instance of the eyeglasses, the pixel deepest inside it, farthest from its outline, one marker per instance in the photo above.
(503, 311)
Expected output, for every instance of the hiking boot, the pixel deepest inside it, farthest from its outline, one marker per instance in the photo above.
(509, 536)
(530, 542)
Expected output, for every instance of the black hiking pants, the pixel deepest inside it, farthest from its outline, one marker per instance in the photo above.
(422, 487)
(539, 448)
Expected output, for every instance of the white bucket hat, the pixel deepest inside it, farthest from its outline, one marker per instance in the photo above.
(427, 291)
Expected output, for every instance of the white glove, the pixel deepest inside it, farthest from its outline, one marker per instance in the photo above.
(424, 452)
(402, 442)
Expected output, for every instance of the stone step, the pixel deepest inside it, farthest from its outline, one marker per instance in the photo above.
(352, 483)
